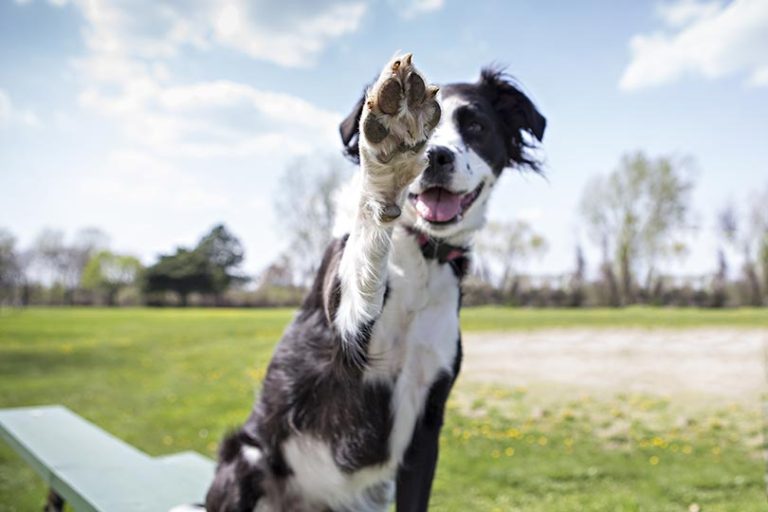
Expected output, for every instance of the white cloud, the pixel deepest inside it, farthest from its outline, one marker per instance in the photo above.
(705, 39)
(683, 12)
(223, 93)
(241, 25)
(411, 8)
(57, 3)
(197, 119)
(290, 33)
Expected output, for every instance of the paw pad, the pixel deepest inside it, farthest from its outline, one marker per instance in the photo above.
(374, 130)
(389, 96)
(390, 212)
(417, 89)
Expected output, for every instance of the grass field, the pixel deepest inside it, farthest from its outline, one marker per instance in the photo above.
(172, 380)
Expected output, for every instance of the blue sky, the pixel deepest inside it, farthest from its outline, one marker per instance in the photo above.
(154, 120)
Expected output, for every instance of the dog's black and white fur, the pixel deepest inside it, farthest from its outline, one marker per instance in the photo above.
(352, 404)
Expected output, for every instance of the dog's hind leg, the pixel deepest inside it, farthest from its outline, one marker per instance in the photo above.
(399, 114)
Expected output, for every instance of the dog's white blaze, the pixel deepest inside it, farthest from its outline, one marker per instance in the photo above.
(318, 480)
(470, 171)
(446, 133)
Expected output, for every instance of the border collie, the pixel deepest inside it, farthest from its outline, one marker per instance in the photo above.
(352, 404)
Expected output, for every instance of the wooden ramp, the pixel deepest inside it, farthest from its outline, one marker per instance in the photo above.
(93, 470)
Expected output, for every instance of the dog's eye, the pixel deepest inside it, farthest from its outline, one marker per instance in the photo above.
(475, 128)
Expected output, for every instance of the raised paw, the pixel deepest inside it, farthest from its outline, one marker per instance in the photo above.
(400, 114)
(401, 111)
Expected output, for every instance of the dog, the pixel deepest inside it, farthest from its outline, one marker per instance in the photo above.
(352, 404)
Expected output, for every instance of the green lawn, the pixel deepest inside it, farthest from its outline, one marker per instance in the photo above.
(172, 380)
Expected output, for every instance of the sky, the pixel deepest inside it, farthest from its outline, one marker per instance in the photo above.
(154, 120)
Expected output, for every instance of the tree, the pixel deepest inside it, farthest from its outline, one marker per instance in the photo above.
(759, 233)
(208, 268)
(10, 266)
(62, 263)
(750, 238)
(305, 210)
(578, 278)
(49, 250)
(505, 246)
(108, 273)
(224, 252)
(183, 272)
(634, 212)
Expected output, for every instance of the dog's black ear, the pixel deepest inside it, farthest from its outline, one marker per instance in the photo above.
(518, 116)
(350, 131)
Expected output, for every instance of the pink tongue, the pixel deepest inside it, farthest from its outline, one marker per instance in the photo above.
(438, 205)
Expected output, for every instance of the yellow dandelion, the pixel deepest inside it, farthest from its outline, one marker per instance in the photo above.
(509, 452)
(543, 441)
(687, 449)
(495, 454)
(716, 451)
(654, 460)
(167, 440)
(568, 442)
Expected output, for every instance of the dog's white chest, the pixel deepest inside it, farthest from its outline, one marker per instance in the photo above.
(416, 337)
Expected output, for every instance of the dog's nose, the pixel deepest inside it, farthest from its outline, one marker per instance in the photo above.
(441, 158)
(440, 167)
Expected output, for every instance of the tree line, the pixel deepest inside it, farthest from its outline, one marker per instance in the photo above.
(637, 218)
(84, 271)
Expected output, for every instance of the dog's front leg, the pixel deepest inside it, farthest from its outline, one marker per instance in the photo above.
(399, 115)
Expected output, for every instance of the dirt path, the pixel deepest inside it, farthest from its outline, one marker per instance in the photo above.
(725, 364)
